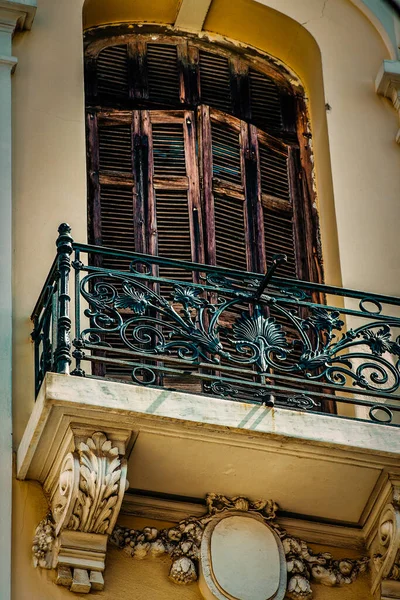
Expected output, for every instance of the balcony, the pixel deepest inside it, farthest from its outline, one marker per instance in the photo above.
(203, 379)
(155, 322)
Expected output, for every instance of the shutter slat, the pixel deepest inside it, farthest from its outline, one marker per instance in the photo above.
(215, 81)
(266, 110)
(229, 233)
(274, 173)
(112, 71)
(163, 75)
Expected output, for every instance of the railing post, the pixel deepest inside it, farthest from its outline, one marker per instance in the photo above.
(62, 357)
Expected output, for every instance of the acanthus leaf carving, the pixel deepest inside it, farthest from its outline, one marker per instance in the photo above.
(386, 546)
(86, 500)
(91, 481)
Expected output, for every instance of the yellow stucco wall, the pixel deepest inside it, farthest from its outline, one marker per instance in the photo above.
(125, 578)
(338, 66)
(336, 53)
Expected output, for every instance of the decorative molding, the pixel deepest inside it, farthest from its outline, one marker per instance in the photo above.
(10, 61)
(85, 500)
(19, 13)
(182, 543)
(165, 509)
(385, 549)
(92, 485)
(388, 84)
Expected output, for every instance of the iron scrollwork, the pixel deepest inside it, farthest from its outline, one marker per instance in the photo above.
(190, 324)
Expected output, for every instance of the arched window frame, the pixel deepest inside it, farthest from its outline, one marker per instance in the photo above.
(295, 133)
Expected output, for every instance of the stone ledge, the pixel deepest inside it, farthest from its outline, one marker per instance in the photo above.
(103, 400)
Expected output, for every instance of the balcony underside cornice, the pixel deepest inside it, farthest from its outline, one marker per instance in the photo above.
(322, 467)
(336, 473)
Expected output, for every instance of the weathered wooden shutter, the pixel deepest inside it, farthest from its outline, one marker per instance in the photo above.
(174, 227)
(112, 72)
(215, 78)
(223, 142)
(163, 74)
(276, 224)
(113, 182)
(265, 102)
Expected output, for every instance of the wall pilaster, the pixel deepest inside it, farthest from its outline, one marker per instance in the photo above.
(13, 15)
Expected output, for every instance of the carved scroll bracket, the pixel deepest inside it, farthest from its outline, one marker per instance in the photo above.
(385, 549)
(85, 491)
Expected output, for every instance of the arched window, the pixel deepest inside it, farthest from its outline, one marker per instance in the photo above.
(194, 153)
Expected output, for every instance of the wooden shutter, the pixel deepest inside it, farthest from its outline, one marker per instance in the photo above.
(277, 220)
(163, 74)
(112, 72)
(174, 212)
(113, 183)
(223, 142)
(266, 111)
(215, 81)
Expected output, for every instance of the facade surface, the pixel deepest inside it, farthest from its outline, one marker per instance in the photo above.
(234, 443)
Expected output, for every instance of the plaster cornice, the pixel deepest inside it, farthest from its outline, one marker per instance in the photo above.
(19, 14)
(10, 61)
(387, 84)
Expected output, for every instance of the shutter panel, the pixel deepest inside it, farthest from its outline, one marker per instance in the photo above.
(175, 229)
(229, 233)
(274, 172)
(266, 111)
(277, 205)
(163, 74)
(223, 145)
(215, 81)
(112, 72)
(115, 148)
(226, 153)
(115, 201)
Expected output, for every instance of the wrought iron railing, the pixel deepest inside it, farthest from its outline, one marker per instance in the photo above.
(199, 328)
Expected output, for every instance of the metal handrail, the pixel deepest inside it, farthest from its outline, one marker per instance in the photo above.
(238, 335)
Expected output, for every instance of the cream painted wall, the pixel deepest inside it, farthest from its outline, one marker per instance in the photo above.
(49, 167)
(364, 156)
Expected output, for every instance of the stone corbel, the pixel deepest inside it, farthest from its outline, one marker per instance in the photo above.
(385, 550)
(85, 492)
(19, 15)
(388, 84)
